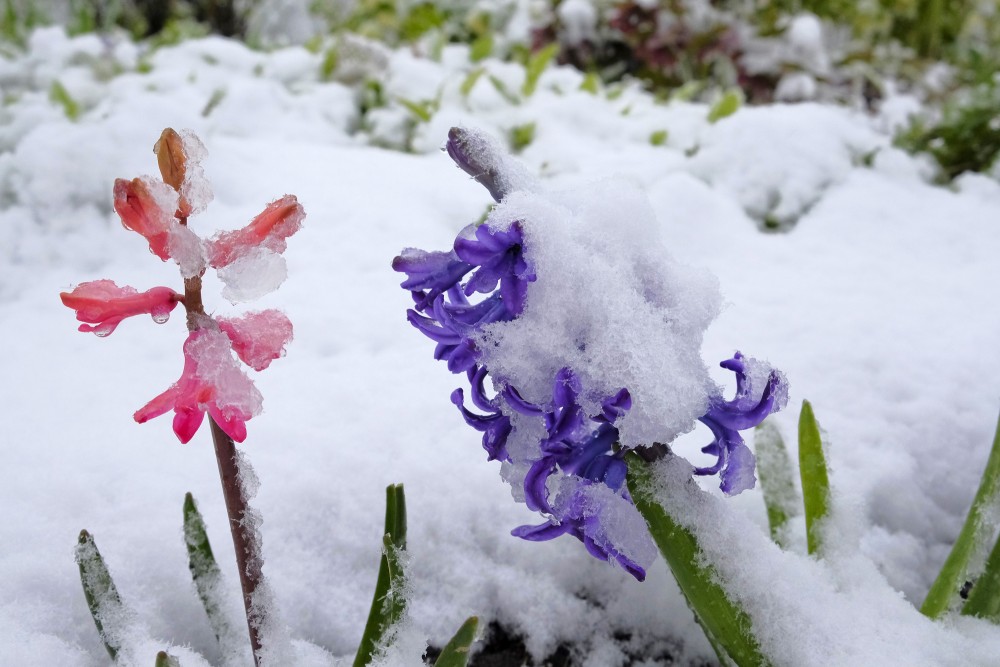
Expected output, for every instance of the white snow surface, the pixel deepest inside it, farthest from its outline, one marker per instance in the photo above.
(879, 305)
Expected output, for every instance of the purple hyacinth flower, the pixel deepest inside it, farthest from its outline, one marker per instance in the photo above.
(735, 462)
(429, 274)
(499, 256)
(577, 517)
(495, 426)
(574, 449)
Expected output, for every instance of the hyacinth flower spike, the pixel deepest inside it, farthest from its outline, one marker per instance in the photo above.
(212, 382)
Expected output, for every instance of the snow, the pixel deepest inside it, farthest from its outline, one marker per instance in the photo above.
(878, 303)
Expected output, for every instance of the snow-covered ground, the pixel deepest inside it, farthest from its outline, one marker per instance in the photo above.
(879, 305)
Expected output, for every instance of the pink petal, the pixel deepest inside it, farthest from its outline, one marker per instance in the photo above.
(270, 230)
(105, 304)
(147, 207)
(258, 338)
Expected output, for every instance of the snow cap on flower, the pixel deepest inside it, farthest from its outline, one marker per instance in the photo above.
(104, 304)
(213, 382)
(484, 158)
(258, 338)
(179, 156)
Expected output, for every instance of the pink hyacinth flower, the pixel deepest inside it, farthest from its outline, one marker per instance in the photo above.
(211, 382)
(269, 230)
(258, 338)
(147, 207)
(105, 304)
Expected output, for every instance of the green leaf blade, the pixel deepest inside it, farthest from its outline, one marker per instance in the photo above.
(777, 481)
(457, 651)
(388, 601)
(536, 66)
(727, 105)
(815, 478)
(975, 533)
(102, 596)
(725, 624)
(205, 570)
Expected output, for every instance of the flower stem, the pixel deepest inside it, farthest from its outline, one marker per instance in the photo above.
(249, 559)
(248, 562)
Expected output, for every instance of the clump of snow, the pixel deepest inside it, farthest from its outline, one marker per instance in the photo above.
(195, 189)
(610, 303)
(258, 337)
(235, 393)
(258, 272)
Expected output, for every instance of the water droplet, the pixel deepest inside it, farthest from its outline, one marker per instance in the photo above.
(160, 318)
(101, 333)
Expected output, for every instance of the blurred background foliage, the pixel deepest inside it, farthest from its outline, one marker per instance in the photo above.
(943, 53)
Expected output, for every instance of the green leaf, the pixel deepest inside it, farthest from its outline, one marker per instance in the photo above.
(456, 651)
(687, 92)
(470, 81)
(727, 105)
(725, 624)
(815, 480)
(591, 83)
(59, 95)
(204, 569)
(329, 65)
(164, 659)
(99, 589)
(481, 48)
(423, 110)
(658, 138)
(218, 95)
(388, 601)
(979, 527)
(521, 136)
(501, 88)
(777, 480)
(984, 599)
(536, 65)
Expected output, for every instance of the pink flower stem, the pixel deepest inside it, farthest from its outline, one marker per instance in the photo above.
(248, 558)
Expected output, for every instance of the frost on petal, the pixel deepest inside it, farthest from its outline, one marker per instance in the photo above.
(269, 230)
(258, 338)
(147, 206)
(213, 382)
(257, 273)
(104, 304)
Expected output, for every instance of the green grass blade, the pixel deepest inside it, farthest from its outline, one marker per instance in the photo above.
(388, 601)
(164, 659)
(204, 569)
(777, 480)
(101, 593)
(536, 65)
(984, 599)
(726, 624)
(815, 480)
(59, 95)
(456, 651)
(976, 532)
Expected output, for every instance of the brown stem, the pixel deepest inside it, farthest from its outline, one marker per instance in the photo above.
(248, 562)
(248, 557)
